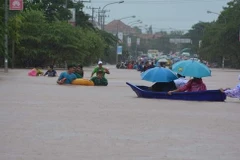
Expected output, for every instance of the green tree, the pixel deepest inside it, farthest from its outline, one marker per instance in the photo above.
(40, 35)
(14, 24)
(53, 10)
(2, 29)
(196, 35)
(220, 39)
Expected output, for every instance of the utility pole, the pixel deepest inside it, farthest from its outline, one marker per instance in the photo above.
(6, 37)
(101, 17)
(93, 11)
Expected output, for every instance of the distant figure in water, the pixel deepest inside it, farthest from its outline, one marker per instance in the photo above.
(50, 72)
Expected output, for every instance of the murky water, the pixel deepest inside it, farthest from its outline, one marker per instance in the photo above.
(42, 120)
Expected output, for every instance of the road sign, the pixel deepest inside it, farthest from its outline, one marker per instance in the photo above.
(120, 36)
(16, 5)
(138, 41)
(119, 50)
(180, 40)
(129, 41)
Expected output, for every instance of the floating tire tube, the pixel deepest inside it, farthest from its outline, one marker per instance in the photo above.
(32, 72)
(83, 82)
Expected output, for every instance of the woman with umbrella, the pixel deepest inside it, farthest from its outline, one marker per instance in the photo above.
(193, 69)
(162, 77)
(193, 85)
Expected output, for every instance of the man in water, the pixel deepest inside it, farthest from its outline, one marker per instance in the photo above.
(79, 71)
(68, 76)
(100, 68)
(99, 80)
(50, 72)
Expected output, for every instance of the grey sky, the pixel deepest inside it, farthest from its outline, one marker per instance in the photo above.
(162, 14)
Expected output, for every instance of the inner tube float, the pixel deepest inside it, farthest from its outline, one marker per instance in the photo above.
(32, 72)
(83, 82)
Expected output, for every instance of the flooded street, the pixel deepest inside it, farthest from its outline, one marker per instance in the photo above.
(41, 120)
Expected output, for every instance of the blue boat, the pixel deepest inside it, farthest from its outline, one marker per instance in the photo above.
(209, 95)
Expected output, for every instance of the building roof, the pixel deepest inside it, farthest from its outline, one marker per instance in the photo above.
(118, 26)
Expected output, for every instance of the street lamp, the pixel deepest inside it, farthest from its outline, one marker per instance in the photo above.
(103, 13)
(143, 26)
(133, 23)
(137, 21)
(126, 17)
(118, 20)
(225, 22)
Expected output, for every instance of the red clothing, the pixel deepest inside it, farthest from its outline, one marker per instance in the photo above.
(130, 66)
(194, 86)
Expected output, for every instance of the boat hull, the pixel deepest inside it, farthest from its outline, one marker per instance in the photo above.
(209, 95)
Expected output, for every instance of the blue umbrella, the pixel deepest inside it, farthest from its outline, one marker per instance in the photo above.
(191, 68)
(158, 74)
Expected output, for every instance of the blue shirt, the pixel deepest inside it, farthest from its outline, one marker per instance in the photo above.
(69, 77)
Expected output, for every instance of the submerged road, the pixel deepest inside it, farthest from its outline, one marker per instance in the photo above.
(40, 120)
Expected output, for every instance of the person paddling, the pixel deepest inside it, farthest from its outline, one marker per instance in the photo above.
(100, 68)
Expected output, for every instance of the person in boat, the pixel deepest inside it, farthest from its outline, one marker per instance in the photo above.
(99, 80)
(68, 76)
(50, 72)
(181, 81)
(163, 86)
(233, 93)
(79, 71)
(100, 68)
(193, 85)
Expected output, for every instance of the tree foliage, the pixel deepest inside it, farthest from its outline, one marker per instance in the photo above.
(221, 40)
(2, 28)
(41, 35)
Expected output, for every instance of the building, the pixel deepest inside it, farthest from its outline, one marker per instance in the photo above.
(118, 26)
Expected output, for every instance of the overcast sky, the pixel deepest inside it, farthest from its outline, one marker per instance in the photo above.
(162, 14)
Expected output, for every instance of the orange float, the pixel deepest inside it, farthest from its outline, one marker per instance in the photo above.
(83, 82)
